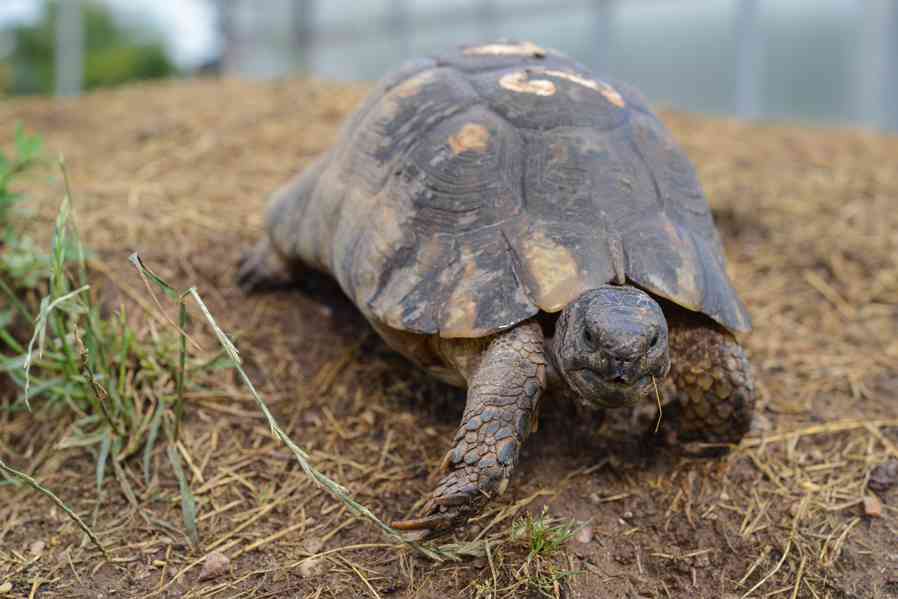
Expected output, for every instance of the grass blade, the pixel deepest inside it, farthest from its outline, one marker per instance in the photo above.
(335, 489)
(188, 503)
(59, 503)
(40, 332)
(150, 444)
(105, 444)
(182, 370)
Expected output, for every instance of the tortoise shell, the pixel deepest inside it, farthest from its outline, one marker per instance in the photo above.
(471, 191)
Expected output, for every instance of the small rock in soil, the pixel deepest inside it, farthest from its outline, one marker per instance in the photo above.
(5, 587)
(215, 564)
(872, 506)
(313, 566)
(37, 548)
(584, 535)
(884, 476)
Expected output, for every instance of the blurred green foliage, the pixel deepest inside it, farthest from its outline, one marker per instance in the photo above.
(113, 53)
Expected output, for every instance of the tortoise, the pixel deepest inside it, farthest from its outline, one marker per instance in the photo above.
(512, 224)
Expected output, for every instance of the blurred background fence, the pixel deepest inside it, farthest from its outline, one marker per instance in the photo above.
(832, 61)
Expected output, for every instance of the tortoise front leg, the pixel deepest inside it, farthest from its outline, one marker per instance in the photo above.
(504, 389)
(715, 393)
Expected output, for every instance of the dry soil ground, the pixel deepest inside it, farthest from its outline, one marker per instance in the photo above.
(180, 172)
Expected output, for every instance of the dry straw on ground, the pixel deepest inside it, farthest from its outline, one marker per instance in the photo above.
(179, 172)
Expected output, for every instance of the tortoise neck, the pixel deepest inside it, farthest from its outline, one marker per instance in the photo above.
(554, 379)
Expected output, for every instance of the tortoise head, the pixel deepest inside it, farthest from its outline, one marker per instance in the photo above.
(608, 345)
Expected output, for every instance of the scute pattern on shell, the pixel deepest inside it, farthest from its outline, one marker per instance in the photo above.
(457, 206)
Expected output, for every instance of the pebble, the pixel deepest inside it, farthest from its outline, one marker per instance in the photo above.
(884, 476)
(37, 548)
(5, 587)
(872, 506)
(584, 535)
(312, 567)
(215, 564)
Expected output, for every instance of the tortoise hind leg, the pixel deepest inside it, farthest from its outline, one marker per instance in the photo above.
(715, 395)
(263, 269)
(276, 261)
(504, 389)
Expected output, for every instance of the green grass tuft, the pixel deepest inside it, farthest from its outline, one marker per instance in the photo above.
(544, 535)
(123, 389)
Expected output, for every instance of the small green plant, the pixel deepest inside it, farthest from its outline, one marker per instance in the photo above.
(123, 389)
(537, 573)
(543, 535)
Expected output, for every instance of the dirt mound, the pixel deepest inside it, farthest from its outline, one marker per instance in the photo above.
(180, 172)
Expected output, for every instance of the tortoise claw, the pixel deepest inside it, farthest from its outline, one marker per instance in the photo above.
(431, 526)
(442, 516)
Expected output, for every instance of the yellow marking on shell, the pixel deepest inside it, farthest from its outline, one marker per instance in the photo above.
(470, 137)
(520, 82)
(460, 310)
(603, 88)
(411, 87)
(392, 102)
(555, 271)
(507, 49)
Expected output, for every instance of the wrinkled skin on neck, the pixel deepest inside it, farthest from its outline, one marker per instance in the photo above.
(609, 344)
